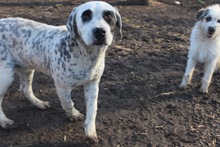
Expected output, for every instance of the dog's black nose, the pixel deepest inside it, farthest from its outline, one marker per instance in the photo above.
(99, 32)
(99, 35)
(211, 30)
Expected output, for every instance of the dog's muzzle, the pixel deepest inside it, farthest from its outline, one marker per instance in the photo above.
(99, 36)
(211, 31)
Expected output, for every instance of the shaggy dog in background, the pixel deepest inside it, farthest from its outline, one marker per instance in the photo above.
(204, 46)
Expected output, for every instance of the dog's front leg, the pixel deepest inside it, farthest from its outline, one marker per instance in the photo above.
(206, 80)
(64, 94)
(191, 63)
(91, 90)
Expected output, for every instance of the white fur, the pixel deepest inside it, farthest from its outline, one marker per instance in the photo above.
(204, 48)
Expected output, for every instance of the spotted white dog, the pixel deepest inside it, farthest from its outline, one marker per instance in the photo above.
(72, 55)
(204, 46)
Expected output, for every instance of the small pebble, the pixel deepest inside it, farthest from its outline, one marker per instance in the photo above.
(177, 2)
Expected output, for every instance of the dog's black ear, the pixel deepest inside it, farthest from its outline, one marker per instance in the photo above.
(71, 23)
(118, 22)
(201, 14)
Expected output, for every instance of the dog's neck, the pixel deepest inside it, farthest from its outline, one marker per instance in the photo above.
(92, 52)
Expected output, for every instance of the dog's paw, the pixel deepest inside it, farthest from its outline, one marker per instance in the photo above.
(90, 132)
(7, 123)
(75, 116)
(79, 117)
(204, 90)
(183, 86)
(43, 105)
(93, 139)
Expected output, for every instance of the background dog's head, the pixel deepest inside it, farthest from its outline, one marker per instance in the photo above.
(209, 19)
(94, 23)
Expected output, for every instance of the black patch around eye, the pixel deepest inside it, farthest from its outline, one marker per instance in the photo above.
(218, 20)
(108, 16)
(86, 16)
(208, 19)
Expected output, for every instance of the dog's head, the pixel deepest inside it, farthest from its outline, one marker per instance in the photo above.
(94, 23)
(209, 19)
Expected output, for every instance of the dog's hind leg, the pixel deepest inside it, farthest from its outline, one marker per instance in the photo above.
(26, 79)
(6, 79)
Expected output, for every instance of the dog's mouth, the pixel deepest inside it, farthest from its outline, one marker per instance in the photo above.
(99, 42)
(210, 34)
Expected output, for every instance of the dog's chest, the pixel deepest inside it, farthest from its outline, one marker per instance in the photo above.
(90, 70)
(205, 52)
(83, 70)
(203, 55)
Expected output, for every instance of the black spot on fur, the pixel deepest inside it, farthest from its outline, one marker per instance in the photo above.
(64, 66)
(71, 43)
(14, 42)
(201, 14)
(26, 33)
(109, 17)
(86, 16)
(64, 53)
(3, 58)
(58, 61)
(3, 36)
(71, 49)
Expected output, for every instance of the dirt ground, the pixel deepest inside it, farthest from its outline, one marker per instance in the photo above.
(140, 104)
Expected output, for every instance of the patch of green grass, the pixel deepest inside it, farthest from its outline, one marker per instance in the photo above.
(201, 2)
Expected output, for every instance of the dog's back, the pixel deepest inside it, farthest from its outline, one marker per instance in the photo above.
(29, 42)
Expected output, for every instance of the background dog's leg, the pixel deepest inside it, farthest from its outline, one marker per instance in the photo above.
(64, 95)
(6, 78)
(26, 77)
(217, 66)
(91, 90)
(206, 80)
(187, 78)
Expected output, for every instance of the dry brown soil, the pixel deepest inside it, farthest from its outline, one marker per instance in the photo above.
(140, 104)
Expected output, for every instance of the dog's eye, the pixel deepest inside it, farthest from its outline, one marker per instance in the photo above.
(108, 15)
(218, 20)
(87, 15)
(208, 19)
